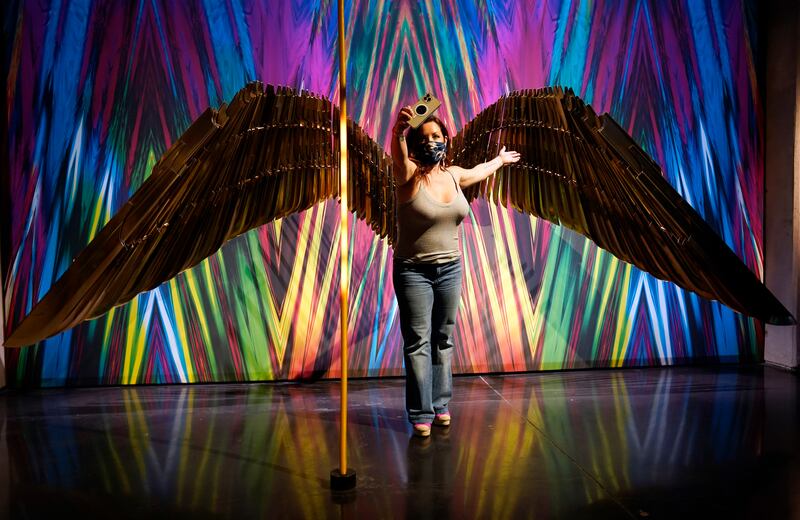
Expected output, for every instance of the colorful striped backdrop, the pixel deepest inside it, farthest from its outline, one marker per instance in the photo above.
(96, 92)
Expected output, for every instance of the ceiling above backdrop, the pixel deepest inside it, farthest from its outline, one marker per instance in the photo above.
(97, 91)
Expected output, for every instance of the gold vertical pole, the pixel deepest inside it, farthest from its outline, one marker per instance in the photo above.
(343, 232)
(342, 478)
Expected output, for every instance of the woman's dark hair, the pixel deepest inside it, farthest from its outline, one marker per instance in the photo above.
(415, 142)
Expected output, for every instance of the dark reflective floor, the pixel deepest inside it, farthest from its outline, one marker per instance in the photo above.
(649, 443)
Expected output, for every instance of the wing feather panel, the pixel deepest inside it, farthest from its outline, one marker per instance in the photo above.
(583, 171)
(271, 152)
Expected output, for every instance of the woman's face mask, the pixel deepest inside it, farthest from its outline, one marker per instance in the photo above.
(432, 152)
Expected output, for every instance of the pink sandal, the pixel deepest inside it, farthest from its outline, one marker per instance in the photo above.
(422, 429)
(442, 419)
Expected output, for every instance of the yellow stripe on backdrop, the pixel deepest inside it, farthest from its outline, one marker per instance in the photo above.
(180, 328)
(521, 297)
(624, 323)
(131, 343)
(191, 282)
(312, 301)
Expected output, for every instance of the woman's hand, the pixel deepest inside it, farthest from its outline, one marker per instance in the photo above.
(401, 123)
(508, 157)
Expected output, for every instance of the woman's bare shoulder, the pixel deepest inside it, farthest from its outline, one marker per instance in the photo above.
(457, 171)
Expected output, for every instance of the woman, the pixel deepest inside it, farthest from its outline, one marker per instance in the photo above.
(427, 260)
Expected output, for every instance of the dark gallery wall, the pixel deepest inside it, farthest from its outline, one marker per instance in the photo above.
(781, 25)
(97, 91)
(7, 32)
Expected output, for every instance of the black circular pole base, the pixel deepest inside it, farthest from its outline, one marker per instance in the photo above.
(340, 482)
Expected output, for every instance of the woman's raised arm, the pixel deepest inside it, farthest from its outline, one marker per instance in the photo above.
(404, 168)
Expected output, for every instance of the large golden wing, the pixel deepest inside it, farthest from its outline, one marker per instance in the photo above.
(586, 173)
(270, 153)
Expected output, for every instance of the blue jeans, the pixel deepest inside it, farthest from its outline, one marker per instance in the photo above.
(427, 299)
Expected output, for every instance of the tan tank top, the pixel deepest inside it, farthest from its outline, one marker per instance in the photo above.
(427, 229)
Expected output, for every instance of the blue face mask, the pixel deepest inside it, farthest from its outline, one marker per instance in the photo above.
(432, 152)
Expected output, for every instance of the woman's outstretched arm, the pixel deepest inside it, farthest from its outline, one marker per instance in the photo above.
(468, 177)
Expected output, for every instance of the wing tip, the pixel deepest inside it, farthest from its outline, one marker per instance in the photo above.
(782, 320)
(14, 341)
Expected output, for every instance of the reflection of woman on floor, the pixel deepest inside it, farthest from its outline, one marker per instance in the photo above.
(427, 260)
